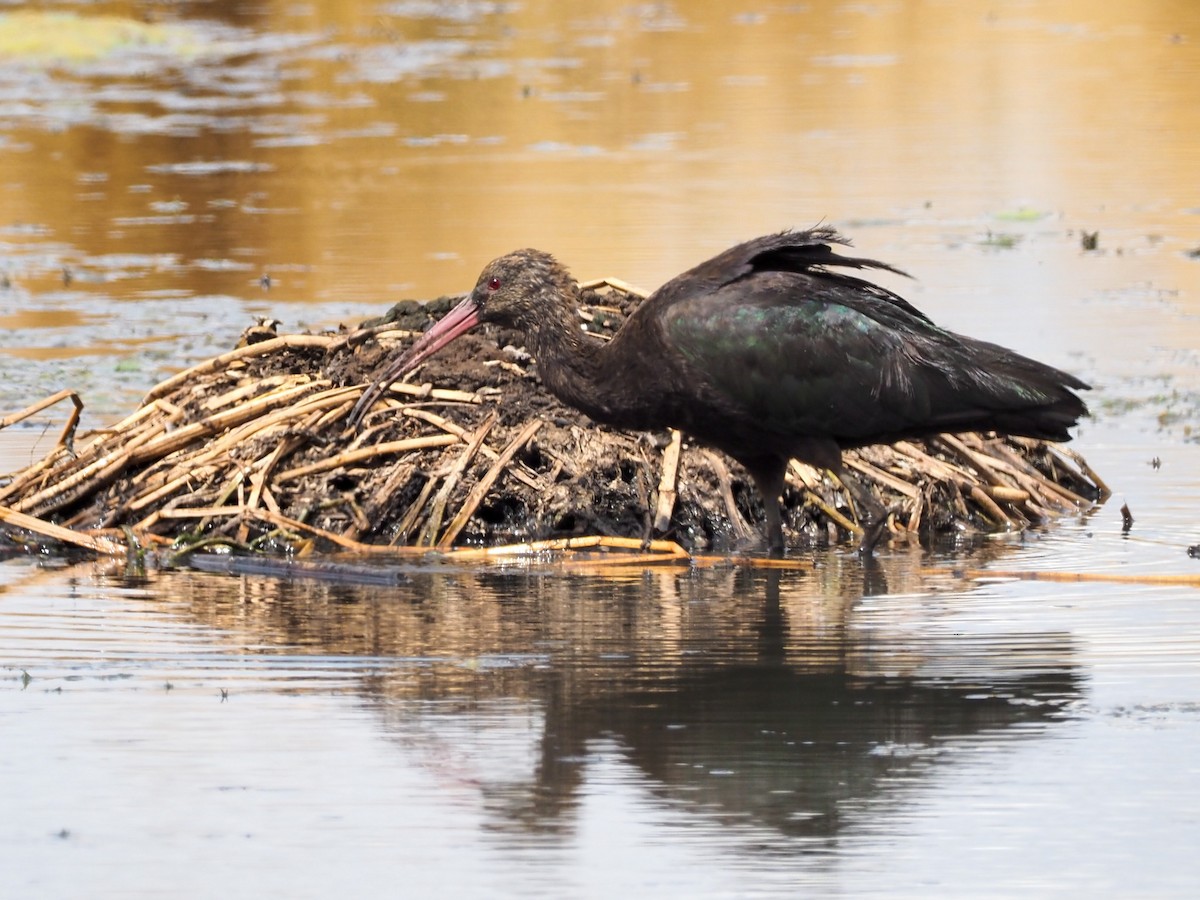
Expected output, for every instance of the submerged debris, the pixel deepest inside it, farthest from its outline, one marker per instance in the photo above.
(252, 449)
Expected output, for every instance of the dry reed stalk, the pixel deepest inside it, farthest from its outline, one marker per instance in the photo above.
(614, 564)
(801, 475)
(1088, 472)
(363, 333)
(990, 509)
(390, 334)
(58, 533)
(812, 498)
(433, 521)
(716, 560)
(172, 449)
(352, 456)
(216, 364)
(666, 484)
(257, 388)
(263, 468)
(410, 519)
(38, 473)
(623, 287)
(236, 437)
(334, 412)
(201, 473)
(986, 495)
(282, 521)
(931, 465)
(422, 392)
(201, 512)
(200, 464)
(260, 427)
(60, 461)
(1006, 494)
(68, 433)
(413, 411)
(1028, 477)
(235, 483)
(1068, 577)
(914, 514)
(977, 460)
(1061, 461)
(55, 462)
(725, 485)
(401, 474)
(155, 484)
(174, 441)
(1040, 501)
(863, 467)
(144, 525)
(479, 491)
(590, 542)
(160, 406)
(520, 471)
(63, 492)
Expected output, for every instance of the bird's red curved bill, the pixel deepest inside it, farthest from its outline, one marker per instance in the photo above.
(455, 323)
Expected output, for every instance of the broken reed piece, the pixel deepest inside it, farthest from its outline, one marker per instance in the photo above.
(666, 483)
(66, 438)
(100, 545)
(433, 522)
(225, 360)
(485, 483)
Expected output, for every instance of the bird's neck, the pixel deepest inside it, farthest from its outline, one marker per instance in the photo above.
(573, 366)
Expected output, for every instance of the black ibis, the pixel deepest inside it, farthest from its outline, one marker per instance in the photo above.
(768, 351)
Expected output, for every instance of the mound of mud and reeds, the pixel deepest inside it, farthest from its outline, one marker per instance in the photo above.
(253, 449)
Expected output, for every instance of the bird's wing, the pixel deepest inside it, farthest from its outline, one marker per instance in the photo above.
(796, 252)
(806, 355)
(812, 366)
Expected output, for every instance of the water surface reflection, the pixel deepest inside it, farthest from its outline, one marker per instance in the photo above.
(360, 154)
(745, 696)
(514, 733)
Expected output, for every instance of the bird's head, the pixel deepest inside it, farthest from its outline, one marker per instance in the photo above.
(513, 288)
(509, 292)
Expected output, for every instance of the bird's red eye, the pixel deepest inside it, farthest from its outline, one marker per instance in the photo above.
(494, 284)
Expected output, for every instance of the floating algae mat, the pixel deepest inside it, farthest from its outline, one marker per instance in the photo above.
(37, 36)
(252, 450)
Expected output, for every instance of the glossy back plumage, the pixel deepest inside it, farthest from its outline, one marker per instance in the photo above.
(781, 347)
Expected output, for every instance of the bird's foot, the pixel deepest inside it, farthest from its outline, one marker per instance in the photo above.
(874, 529)
(872, 532)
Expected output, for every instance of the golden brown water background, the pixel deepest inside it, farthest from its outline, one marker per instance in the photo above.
(853, 730)
(358, 154)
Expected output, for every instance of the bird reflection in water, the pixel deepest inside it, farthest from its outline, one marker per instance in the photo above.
(788, 699)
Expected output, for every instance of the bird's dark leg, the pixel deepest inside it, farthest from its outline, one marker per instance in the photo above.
(768, 478)
(872, 516)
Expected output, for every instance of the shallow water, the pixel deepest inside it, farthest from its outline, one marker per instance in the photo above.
(359, 155)
(887, 730)
(903, 729)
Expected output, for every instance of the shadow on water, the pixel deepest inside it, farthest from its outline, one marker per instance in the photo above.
(775, 699)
